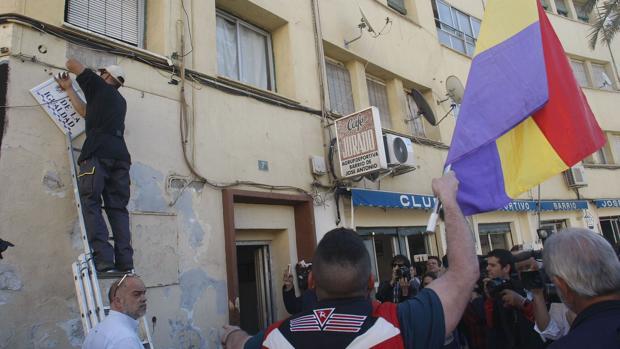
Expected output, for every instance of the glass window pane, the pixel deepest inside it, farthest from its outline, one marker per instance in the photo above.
(339, 86)
(445, 15)
(579, 69)
(416, 122)
(560, 5)
(226, 33)
(498, 241)
(581, 13)
(398, 5)
(476, 27)
(615, 145)
(484, 244)
(458, 44)
(377, 94)
(254, 58)
(444, 37)
(463, 23)
(545, 4)
(600, 79)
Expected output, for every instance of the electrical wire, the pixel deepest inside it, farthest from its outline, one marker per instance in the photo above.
(31, 105)
(160, 63)
(189, 29)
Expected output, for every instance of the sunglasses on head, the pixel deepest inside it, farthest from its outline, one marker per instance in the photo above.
(118, 285)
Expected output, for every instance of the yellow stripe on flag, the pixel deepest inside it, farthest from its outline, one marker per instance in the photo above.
(527, 158)
(503, 19)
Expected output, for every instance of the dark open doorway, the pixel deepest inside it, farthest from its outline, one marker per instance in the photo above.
(255, 295)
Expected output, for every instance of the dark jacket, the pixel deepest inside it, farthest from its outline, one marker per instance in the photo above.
(509, 328)
(598, 326)
(386, 292)
(294, 304)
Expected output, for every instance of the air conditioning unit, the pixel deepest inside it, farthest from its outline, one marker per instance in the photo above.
(398, 151)
(575, 177)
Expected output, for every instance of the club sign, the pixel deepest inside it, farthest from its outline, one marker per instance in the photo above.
(360, 143)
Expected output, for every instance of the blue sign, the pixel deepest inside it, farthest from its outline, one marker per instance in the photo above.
(606, 203)
(564, 205)
(520, 206)
(376, 198)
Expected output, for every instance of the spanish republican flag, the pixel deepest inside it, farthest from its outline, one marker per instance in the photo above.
(523, 118)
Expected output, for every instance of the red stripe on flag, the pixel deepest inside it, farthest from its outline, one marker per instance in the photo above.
(566, 120)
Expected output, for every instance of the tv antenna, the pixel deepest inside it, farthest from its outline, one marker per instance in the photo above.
(454, 90)
(365, 24)
(424, 109)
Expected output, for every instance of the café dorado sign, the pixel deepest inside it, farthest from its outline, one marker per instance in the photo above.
(360, 143)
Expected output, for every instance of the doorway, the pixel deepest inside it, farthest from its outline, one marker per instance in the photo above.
(255, 288)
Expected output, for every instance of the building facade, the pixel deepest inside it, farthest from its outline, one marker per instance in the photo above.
(229, 101)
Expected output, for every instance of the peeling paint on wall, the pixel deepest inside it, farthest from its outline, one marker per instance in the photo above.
(40, 337)
(9, 281)
(193, 284)
(185, 335)
(53, 184)
(190, 222)
(4, 82)
(147, 194)
(73, 330)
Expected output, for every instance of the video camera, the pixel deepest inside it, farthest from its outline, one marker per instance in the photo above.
(497, 285)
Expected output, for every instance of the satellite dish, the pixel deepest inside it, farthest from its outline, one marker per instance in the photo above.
(366, 22)
(424, 109)
(455, 89)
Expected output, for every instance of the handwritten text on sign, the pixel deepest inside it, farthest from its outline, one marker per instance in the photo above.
(58, 106)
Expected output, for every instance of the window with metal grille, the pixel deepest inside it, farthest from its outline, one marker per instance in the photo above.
(455, 29)
(579, 70)
(398, 5)
(416, 121)
(377, 95)
(118, 19)
(493, 236)
(339, 86)
(582, 15)
(244, 52)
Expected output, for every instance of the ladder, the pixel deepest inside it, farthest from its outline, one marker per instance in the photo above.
(85, 277)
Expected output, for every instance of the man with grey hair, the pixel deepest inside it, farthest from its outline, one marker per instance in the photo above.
(586, 273)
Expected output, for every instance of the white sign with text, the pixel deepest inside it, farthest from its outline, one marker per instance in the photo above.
(58, 106)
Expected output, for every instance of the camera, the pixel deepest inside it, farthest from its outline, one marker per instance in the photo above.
(403, 272)
(302, 269)
(497, 285)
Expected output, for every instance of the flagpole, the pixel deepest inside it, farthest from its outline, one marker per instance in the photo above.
(432, 220)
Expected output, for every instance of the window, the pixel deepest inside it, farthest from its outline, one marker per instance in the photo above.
(560, 5)
(456, 29)
(600, 157)
(398, 5)
(600, 79)
(614, 141)
(555, 225)
(579, 69)
(581, 13)
(377, 95)
(339, 86)
(416, 121)
(545, 4)
(244, 52)
(493, 236)
(120, 20)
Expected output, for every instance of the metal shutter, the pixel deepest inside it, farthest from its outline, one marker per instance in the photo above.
(119, 19)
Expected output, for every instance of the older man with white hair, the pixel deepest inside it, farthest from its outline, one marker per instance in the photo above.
(586, 273)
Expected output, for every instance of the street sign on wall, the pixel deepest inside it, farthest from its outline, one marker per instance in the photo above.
(360, 143)
(58, 106)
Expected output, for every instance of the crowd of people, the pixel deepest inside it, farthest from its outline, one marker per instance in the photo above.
(497, 301)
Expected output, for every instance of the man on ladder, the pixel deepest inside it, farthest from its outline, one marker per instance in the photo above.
(104, 162)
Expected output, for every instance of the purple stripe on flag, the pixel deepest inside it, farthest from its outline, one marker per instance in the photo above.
(506, 84)
(481, 186)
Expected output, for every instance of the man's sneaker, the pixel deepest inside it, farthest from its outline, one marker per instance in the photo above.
(124, 268)
(103, 267)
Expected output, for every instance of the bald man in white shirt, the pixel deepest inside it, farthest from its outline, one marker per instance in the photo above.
(120, 328)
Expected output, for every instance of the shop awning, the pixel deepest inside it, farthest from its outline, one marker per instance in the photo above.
(388, 199)
(607, 203)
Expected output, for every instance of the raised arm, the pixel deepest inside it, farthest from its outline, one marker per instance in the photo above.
(65, 83)
(455, 285)
(74, 66)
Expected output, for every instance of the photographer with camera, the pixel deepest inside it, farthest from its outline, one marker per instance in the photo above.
(509, 314)
(402, 286)
(307, 300)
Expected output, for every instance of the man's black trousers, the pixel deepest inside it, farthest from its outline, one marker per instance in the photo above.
(107, 179)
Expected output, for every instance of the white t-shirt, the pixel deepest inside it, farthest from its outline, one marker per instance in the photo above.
(558, 325)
